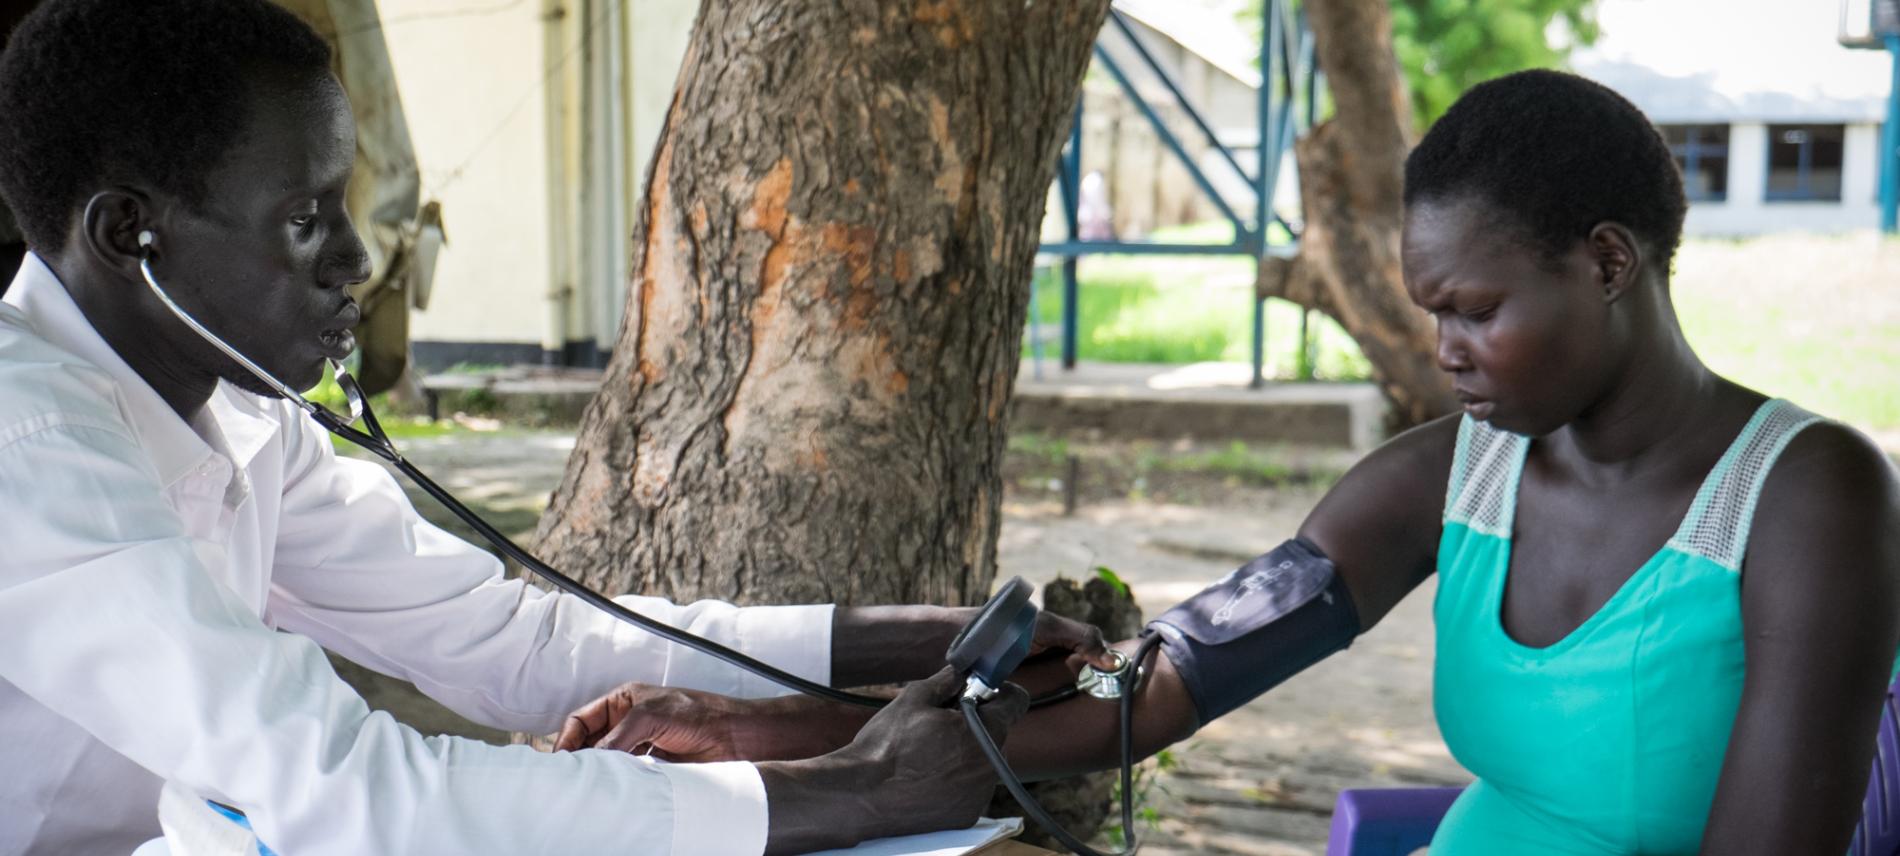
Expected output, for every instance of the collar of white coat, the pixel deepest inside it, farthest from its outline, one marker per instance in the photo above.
(246, 422)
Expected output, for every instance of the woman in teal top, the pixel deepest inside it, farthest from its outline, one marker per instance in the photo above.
(1667, 607)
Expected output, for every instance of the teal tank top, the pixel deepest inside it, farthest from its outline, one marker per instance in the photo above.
(1609, 741)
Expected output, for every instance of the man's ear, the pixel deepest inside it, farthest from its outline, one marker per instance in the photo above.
(110, 227)
(1619, 259)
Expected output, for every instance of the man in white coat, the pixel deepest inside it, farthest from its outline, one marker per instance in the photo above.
(176, 542)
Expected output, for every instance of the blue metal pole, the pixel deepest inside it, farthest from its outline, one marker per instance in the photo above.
(1071, 288)
(1890, 148)
(1311, 79)
(1263, 185)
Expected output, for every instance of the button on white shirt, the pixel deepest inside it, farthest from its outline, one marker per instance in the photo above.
(148, 565)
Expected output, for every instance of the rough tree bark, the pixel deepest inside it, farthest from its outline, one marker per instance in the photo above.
(1352, 170)
(806, 402)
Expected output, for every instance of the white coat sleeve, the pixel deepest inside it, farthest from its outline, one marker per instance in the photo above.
(361, 572)
(109, 618)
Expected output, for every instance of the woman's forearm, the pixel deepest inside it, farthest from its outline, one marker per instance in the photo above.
(1083, 734)
(889, 644)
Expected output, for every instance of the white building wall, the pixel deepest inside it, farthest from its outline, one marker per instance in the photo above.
(471, 91)
(1746, 211)
(509, 125)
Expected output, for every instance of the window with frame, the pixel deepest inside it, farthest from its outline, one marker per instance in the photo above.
(1701, 153)
(1804, 162)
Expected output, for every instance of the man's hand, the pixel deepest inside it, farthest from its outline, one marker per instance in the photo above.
(691, 726)
(915, 767)
(889, 644)
(1084, 642)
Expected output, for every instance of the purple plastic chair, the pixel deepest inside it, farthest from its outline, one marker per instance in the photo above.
(1397, 821)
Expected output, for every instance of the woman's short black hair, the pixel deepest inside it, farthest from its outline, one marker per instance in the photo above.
(101, 92)
(1556, 154)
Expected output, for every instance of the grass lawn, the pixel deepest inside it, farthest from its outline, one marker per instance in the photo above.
(1814, 319)
(398, 426)
(1183, 309)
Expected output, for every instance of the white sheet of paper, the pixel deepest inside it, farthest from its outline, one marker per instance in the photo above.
(949, 843)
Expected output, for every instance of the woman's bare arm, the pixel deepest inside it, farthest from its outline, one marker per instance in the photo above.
(1379, 525)
(1821, 622)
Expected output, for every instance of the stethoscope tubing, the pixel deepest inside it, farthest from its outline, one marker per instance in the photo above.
(377, 442)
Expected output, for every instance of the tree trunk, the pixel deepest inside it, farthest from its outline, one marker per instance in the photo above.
(829, 281)
(1352, 170)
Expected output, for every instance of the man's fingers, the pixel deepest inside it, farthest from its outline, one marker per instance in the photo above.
(578, 730)
(633, 733)
(938, 690)
(1093, 647)
(1004, 710)
(1084, 641)
(573, 736)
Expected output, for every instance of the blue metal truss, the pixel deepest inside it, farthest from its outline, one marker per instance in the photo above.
(1286, 75)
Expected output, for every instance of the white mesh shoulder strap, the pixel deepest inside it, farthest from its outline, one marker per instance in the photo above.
(1483, 488)
(1718, 523)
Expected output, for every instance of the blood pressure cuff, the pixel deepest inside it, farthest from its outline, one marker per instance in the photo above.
(1258, 626)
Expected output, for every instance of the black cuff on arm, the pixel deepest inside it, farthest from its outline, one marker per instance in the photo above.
(1258, 626)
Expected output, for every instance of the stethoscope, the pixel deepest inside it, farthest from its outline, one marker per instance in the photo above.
(985, 653)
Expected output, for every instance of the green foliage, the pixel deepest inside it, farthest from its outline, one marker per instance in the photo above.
(1147, 780)
(1049, 451)
(1236, 461)
(1114, 580)
(399, 427)
(1448, 46)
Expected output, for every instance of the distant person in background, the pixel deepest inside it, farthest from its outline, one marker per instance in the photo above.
(1094, 217)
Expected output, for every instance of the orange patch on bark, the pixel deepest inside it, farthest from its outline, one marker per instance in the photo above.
(953, 26)
(814, 457)
(769, 198)
(938, 12)
(658, 213)
(955, 181)
(900, 266)
(769, 215)
(853, 244)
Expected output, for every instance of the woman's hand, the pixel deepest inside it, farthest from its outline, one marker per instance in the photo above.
(691, 726)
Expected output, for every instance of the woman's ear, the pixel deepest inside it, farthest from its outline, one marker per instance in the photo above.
(1619, 259)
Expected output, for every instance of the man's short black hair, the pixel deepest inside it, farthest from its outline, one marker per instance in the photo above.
(1557, 154)
(101, 92)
